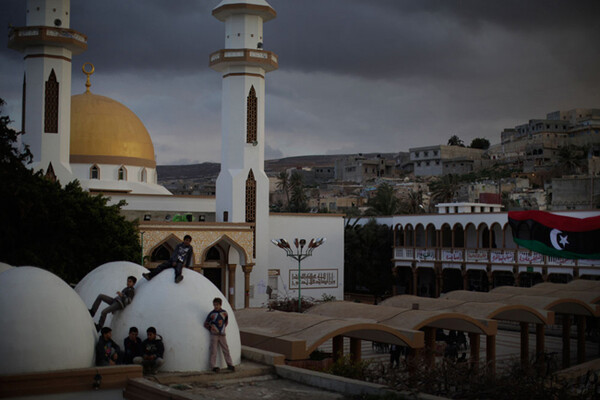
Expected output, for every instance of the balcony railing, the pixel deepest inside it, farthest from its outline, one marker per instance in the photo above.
(264, 59)
(19, 38)
(487, 256)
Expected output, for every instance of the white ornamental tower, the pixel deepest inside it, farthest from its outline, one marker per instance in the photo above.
(48, 45)
(242, 185)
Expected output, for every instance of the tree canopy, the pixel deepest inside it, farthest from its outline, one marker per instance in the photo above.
(480, 143)
(64, 230)
(455, 141)
(367, 252)
(298, 202)
(443, 189)
(384, 202)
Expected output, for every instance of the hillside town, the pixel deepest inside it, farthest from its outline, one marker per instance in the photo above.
(456, 269)
(542, 164)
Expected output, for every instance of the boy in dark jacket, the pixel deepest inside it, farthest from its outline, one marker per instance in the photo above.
(123, 299)
(132, 346)
(181, 256)
(107, 351)
(216, 322)
(152, 352)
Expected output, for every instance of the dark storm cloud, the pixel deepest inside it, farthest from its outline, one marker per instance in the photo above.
(354, 76)
(160, 35)
(436, 39)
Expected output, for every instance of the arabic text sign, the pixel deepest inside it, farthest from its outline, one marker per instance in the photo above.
(502, 257)
(452, 255)
(315, 278)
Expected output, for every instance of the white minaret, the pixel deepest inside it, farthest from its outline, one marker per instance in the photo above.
(242, 185)
(48, 45)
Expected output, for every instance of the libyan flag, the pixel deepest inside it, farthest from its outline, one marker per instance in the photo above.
(556, 235)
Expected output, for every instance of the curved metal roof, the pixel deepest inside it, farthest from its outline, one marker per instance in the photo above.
(491, 310)
(297, 335)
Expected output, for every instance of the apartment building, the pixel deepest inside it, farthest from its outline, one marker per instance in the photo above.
(441, 160)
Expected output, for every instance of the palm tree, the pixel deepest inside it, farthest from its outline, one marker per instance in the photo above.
(384, 202)
(284, 185)
(414, 203)
(570, 158)
(444, 189)
(298, 201)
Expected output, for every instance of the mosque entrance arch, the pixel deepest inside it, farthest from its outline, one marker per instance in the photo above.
(213, 266)
(225, 262)
(162, 251)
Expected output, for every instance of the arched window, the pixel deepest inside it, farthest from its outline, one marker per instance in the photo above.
(161, 253)
(144, 175)
(122, 174)
(251, 116)
(94, 172)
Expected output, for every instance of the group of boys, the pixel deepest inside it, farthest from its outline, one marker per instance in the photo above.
(182, 256)
(148, 353)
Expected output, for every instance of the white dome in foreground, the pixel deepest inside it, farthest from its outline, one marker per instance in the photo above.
(45, 326)
(108, 279)
(178, 311)
(4, 267)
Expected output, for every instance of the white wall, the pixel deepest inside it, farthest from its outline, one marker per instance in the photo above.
(330, 255)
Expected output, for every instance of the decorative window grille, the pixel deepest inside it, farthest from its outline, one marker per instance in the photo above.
(51, 105)
(251, 116)
(251, 206)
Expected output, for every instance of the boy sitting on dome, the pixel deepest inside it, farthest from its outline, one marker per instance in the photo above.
(152, 352)
(107, 351)
(182, 255)
(123, 299)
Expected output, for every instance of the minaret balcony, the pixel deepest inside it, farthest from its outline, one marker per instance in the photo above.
(23, 37)
(220, 60)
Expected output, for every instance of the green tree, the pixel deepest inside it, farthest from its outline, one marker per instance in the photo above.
(455, 141)
(570, 159)
(480, 143)
(413, 204)
(66, 231)
(367, 258)
(298, 201)
(384, 202)
(443, 190)
(283, 184)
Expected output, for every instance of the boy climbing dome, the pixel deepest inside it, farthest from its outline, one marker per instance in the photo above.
(122, 300)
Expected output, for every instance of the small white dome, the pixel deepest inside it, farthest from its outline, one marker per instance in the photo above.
(4, 267)
(178, 311)
(107, 279)
(45, 325)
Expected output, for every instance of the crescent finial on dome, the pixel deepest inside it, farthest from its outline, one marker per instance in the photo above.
(88, 73)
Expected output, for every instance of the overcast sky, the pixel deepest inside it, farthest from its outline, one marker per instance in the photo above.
(354, 75)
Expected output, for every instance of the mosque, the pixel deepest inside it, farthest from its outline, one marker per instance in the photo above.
(104, 145)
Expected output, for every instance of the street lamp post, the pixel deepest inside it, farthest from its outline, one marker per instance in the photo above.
(299, 254)
(142, 243)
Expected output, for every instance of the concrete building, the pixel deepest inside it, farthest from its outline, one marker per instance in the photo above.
(472, 249)
(360, 169)
(575, 193)
(441, 160)
(536, 143)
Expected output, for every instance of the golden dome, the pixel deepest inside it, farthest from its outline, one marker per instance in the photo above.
(104, 131)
